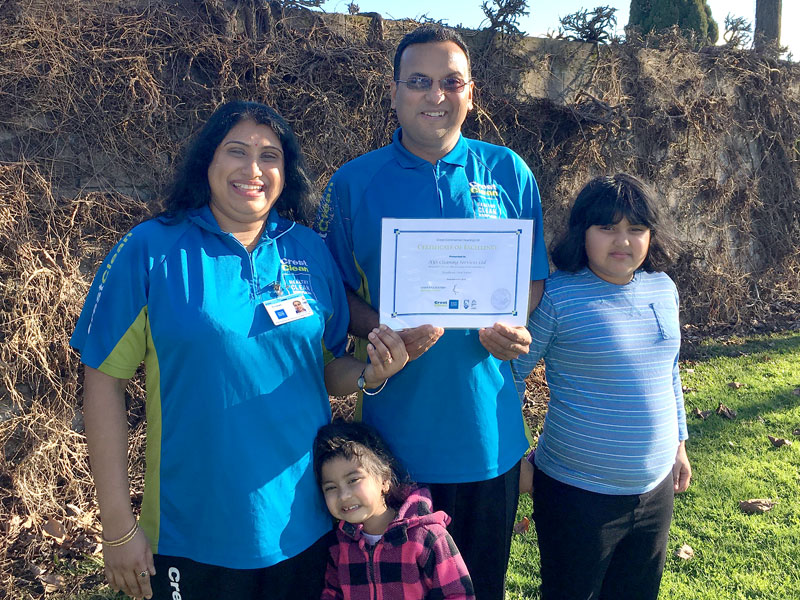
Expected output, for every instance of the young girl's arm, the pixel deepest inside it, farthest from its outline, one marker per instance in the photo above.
(332, 589)
(442, 567)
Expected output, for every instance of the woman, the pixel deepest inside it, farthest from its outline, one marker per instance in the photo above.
(236, 379)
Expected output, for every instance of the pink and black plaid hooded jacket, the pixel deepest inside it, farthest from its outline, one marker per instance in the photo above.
(415, 559)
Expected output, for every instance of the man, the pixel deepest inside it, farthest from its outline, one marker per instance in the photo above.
(452, 416)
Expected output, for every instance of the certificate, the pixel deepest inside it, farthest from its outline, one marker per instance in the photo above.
(455, 273)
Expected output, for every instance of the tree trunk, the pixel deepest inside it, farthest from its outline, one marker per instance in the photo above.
(768, 23)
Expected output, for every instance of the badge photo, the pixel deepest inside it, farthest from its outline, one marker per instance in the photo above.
(288, 308)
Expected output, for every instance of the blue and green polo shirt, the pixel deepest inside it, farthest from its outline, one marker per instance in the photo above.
(233, 400)
(453, 414)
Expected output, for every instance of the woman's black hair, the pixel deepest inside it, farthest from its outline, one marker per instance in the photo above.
(605, 201)
(190, 188)
(361, 443)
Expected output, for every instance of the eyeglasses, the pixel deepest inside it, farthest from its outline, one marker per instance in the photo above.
(423, 84)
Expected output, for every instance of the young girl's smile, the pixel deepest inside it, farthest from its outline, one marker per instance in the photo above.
(354, 495)
(615, 251)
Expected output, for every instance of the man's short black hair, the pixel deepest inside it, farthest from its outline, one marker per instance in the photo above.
(428, 34)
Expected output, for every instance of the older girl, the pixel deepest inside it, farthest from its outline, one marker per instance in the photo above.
(611, 454)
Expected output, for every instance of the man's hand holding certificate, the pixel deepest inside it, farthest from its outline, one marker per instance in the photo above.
(455, 273)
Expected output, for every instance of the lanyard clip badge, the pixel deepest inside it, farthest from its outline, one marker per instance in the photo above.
(284, 309)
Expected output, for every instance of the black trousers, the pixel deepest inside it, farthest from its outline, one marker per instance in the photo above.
(483, 514)
(298, 578)
(600, 546)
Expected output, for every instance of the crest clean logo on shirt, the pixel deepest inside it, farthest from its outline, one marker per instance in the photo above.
(290, 265)
(324, 212)
(297, 276)
(486, 200)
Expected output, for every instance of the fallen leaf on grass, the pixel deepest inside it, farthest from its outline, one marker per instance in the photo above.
(734, 385)
(731, 444)
(756, 505)
(796, 432)
(52, 582)
(54, 529)
(688, 370)
(685, 552)
(724, 411)
(701, 414)
(778, 442)
(796, 391)
(522, 526)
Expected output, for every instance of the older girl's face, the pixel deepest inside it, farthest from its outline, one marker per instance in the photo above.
(246, 176)
(615, 251)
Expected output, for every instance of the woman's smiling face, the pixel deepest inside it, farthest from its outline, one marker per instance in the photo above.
(246, 176)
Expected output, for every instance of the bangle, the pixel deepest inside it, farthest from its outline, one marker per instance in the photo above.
(124, 539)
(362, 384)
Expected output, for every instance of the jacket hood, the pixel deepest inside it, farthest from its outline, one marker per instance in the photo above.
(416, 510)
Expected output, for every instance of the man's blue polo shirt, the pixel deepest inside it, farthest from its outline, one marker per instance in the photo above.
(453, 414)
(233, 401)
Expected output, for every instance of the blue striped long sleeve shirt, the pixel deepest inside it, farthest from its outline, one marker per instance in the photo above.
(616, 410)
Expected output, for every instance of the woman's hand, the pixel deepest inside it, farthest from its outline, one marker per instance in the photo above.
(125, 564)
(387, 355)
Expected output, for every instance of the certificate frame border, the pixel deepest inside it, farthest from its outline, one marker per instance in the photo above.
(396, 232)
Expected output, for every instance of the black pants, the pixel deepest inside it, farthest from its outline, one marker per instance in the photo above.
(298, 578)
(483, 514)
(600, 546)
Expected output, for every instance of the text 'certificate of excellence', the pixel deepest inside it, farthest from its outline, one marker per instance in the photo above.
(455, 273)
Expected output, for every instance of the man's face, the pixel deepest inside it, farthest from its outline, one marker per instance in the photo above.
(432, 119)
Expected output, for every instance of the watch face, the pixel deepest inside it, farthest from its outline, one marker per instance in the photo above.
(361, 382)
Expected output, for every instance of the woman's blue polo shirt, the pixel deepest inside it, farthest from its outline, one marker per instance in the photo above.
(233, 400)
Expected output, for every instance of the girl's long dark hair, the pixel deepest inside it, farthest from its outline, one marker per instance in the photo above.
(605, 201)
(190, 188)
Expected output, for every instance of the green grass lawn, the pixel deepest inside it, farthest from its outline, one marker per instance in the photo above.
(736, 555)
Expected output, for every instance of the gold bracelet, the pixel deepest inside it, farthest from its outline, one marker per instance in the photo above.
(124, 539)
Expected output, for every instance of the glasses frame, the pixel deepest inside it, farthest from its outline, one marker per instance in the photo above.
(438, 82)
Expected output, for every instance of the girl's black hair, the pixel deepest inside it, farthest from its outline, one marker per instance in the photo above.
(190, 188)
(605, 201)
(361, 443)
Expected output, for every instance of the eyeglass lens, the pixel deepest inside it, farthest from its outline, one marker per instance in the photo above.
(448, 84)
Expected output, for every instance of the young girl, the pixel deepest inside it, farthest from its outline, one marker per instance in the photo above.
(611, 454)
(388, 543)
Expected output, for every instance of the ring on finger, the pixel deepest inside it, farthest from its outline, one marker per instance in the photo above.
(143, 574)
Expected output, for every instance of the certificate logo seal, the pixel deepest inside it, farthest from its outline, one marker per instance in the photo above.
(501, 298)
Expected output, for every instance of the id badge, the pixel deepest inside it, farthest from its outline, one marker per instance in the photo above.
(288, 308)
